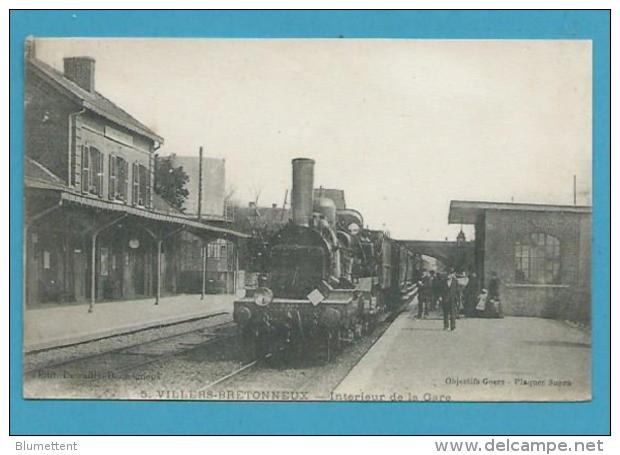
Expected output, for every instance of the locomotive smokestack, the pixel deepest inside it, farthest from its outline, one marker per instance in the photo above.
(302, 199)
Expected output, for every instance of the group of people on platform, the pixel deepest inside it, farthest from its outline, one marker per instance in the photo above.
(458, 294)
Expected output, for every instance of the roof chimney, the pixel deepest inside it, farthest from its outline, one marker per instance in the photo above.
(81, 70)
(302, 195)
(30, 48)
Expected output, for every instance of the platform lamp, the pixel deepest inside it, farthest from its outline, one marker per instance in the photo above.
(460, 237)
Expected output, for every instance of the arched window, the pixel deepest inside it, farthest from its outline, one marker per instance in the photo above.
(537, 259)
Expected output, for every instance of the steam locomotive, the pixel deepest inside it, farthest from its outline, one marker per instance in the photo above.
(328, 279)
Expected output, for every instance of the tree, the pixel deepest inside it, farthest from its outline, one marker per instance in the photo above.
(230, 203)
(170, 181)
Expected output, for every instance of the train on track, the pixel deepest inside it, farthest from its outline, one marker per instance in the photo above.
(328, 279)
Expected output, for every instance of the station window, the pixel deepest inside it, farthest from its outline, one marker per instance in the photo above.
(118, 172)
(122, 176)
(141, 186)
(46, 260)
(537, 259)
(213, 250)
(104, 256)
(92, 171)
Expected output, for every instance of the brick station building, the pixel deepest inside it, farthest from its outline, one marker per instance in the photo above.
(94, 229)
(541, 253)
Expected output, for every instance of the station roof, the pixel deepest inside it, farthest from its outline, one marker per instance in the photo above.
(35, 171)
(38, 177)
(93, 101)
(198, 226)
(466, 212)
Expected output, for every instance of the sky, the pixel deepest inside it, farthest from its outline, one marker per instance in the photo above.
(402, 126)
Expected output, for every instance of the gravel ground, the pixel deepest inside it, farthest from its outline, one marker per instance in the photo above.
(46, 358)
(309, 380)
(170, 378)
(549, 348)
(187, 375)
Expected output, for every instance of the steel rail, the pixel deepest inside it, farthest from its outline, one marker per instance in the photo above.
(239, 370)
(120, 350)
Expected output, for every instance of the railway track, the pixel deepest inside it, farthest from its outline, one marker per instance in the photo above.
(203, 360)
(230, 375)
(117, 362)
(304, 378)
(236, 372)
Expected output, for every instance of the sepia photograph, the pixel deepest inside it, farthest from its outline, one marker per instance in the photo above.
(335, 220)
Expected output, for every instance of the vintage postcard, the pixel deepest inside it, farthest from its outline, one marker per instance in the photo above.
(307, 219)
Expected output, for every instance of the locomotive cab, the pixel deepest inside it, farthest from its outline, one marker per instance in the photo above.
(298, 262)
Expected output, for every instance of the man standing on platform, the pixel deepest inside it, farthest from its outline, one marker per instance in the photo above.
(424, 292)
(437, 289)
(450, 301)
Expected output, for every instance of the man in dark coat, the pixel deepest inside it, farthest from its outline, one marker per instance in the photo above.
(424, 295)
(450, 301)
(437, 289)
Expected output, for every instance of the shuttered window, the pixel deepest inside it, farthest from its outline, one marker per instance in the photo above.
(147, 197)
(95, 171)
(112, 182)
(100, 174)
(117, 175)
(85, 169)
(122, 173)
(144, 178)
(135, 176)
(141, 186)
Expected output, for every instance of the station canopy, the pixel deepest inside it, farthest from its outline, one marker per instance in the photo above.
(466, 212)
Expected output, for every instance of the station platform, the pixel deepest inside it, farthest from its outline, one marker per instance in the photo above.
(58, 326)
(510, 359)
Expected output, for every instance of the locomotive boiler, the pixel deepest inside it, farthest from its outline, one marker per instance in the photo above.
(323, 284)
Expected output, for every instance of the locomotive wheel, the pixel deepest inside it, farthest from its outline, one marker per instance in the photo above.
(329, 347)
(261, 344)
(248, 344)
(371, 324)
(295, 348)
(332, 344)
